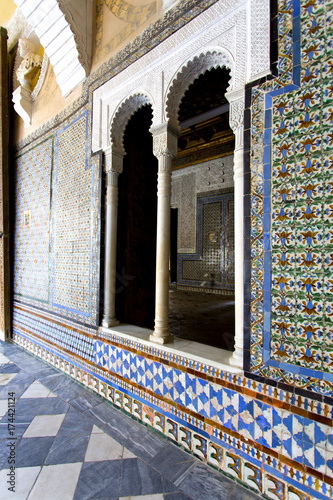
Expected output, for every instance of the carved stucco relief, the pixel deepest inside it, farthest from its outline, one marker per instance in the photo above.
(186, 235)
(221, 31)
(122, 116)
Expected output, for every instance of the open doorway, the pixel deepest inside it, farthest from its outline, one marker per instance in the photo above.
(202, 298)
(137, 221)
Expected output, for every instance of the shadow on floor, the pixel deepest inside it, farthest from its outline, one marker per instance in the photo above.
(207, 318)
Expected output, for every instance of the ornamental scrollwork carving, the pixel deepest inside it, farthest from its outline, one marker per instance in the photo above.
(236, 116)
(113, 160)
(165, 142)
(122, 116)
(30, 64)
(189, 73)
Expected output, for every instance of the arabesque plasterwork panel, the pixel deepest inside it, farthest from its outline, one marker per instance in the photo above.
(221, 30)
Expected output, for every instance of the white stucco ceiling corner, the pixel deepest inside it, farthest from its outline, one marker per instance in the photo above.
(64, 29)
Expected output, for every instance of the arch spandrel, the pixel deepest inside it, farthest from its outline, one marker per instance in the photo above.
(189, 72)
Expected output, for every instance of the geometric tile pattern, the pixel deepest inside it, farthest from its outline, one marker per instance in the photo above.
(72, 218)
(213, 264)
(32, 216)
(291, 204)
(57, 223)
(63, 334)
(274, 428)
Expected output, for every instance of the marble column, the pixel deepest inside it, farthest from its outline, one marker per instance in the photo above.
(237, 103)
(113, 167)
(164, 148)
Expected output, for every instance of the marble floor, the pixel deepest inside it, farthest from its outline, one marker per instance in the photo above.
(59, 440)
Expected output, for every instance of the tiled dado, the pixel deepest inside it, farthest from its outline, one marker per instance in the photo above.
(275, 442)
(62, 335)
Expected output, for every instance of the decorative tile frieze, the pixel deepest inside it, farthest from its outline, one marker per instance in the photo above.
(249, 439)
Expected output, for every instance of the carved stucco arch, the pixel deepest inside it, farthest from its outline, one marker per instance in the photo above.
(123, 113)
(189, 72)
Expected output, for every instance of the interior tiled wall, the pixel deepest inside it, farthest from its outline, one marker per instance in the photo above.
(57, 223)
(291, 215)
(272, 427)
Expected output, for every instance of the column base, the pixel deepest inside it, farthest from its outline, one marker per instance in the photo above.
(108, 323)
(237, 358)
(161, 340)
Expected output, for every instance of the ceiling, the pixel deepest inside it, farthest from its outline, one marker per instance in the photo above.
(7, 9)
(206, 93)
(208, 136)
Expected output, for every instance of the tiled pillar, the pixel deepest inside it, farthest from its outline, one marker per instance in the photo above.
(5, 327)
(164, 148)
(113, 167)
(237, 103)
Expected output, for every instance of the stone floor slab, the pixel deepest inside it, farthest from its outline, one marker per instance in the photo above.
(37, 390)
(75, 423)
(23, 482)
(3, 407)
(33, 451)
(201, 482)
(44, 425)
(56, 481)
(138, 478)
(67, 449)
(143, 497)
(98, 480)
(102, 447)
(5, 378)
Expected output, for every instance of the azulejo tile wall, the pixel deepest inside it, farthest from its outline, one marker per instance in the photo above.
(32, 221)
(57, 223)
(276, 438)
(291, 330)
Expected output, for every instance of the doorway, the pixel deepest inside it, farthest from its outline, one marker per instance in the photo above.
(202, 299)
(137, 220)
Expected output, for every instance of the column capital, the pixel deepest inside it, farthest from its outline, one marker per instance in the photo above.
(236, 99)
(165, 139)
(113, 160)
